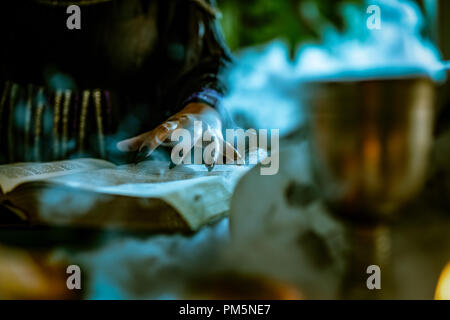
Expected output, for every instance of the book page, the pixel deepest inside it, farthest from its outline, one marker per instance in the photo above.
(197, 194)
(12, 175)
(147, 172)
(198, 200)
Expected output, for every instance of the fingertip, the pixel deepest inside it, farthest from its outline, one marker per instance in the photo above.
(125, 146)
(236, 154)
(121, 146)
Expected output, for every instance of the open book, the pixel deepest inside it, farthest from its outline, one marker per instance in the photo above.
(93, 193)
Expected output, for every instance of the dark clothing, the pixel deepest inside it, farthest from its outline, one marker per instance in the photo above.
(134, 63)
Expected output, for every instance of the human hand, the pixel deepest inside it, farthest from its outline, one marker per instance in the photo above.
(148, 142)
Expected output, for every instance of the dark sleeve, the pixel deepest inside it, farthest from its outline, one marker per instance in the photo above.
(196, 54)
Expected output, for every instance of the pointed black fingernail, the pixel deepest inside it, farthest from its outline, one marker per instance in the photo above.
(142, 155)
(171, 165)
(210, 166)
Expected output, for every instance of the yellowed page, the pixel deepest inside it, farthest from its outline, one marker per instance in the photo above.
(198, 200)
(12, 175)
(197, 194)
(147, 172)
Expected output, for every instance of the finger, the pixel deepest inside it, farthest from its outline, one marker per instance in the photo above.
(197, 137)
(154, 139)
(170, 125)
(142, 155)
(178, 121)
(217, 148)
(131, 144)
(210, 163)
(230, 153)
(138, 142)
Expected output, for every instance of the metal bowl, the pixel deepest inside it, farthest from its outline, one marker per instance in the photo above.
(370, 141)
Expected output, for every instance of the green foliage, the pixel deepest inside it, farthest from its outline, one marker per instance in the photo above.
(252, 22)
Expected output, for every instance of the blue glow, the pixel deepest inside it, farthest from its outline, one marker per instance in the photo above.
(397, 49)
(264, 80)
(260, 88)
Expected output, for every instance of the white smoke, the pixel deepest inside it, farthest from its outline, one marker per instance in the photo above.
(262, 87)
(264, 82)
(155, 268)
(398, 48)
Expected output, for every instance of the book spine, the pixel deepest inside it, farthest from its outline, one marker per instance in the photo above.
(99, 117)
(65, 122)
(83, 116)
(56, 118)
(38, 123)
